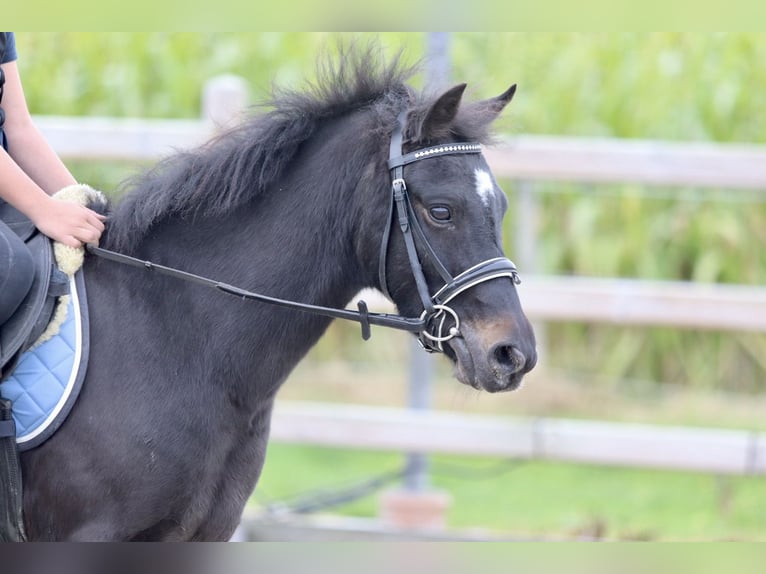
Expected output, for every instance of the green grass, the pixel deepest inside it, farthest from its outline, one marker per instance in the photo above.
(540, 499)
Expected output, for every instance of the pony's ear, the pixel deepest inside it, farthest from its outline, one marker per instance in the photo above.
(442, 112)
(480, 115)
(489, 109)
(492, 107)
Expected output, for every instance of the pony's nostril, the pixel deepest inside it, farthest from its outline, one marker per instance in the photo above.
(509, 357)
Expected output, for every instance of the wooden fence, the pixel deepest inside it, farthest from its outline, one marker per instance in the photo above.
(593, 442)
(527, 160)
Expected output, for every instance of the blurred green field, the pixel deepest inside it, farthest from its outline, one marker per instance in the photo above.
(670, 86)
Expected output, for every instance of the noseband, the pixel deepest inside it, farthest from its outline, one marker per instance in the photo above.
(431, 324)
(435, 309)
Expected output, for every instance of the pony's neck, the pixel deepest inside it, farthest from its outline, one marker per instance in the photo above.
(297, 241)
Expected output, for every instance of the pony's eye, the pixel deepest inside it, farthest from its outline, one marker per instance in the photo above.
(440, 213)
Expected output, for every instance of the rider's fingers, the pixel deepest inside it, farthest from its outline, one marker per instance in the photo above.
(71, 241)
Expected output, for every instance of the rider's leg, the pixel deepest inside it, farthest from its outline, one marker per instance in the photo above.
(16, 272)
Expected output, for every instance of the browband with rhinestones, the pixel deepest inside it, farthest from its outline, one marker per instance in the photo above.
(434, 151)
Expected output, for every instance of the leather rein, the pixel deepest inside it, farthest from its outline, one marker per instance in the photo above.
(431, 323)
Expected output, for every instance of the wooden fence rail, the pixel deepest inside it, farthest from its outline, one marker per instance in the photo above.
(596, 160)
(603, 443)
(121, 139)
(638, 302)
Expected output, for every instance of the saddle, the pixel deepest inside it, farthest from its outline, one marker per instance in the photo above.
(29, 321)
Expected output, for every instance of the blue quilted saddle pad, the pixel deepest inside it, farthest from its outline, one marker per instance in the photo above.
(47, 379)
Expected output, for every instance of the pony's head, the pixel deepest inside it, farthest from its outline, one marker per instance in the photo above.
(446, 220)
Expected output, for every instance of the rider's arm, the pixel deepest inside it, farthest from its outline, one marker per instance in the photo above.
(28, 147)
(33, 170)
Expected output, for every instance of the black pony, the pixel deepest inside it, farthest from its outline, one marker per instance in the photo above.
(169, 435)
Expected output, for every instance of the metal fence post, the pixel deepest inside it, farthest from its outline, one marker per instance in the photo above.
(421, 364)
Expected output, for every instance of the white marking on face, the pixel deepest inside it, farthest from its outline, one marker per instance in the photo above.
(484, 186)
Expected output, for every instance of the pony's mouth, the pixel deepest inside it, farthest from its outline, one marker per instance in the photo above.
(462, 361)
(475, 371)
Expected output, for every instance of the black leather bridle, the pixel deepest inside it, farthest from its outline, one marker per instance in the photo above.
(435, 307)
(431, 323)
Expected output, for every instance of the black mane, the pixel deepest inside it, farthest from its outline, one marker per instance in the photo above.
(236, 166)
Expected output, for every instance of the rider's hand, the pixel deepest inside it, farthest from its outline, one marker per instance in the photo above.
(68, 223)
